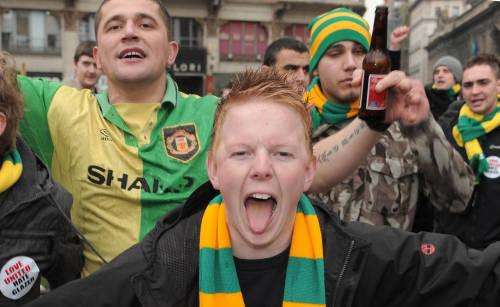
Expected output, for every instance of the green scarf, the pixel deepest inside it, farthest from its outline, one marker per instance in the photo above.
(453, 92)
(218, 281)
(327, 111)
(11, 170)
(470, 127)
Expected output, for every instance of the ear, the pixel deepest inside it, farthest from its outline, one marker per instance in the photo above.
(174, 49)
(3, 123)
(310, 174)
(212, 170)
(97, 60)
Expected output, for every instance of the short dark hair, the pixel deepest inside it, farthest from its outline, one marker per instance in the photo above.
(283, 43)
(167, 19)
(84, 48)
(485, 59)
(11, 101)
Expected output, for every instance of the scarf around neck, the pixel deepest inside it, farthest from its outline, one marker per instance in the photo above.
(218, 280)
(11, 169)
(326, 111)
(469, 128)
(452, 93)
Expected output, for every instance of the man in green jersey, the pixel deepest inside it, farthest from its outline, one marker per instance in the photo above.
(132, 153)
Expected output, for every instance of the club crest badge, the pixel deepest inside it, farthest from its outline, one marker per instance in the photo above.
(181, 142)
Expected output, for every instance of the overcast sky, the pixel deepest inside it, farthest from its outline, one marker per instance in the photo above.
(370, 10)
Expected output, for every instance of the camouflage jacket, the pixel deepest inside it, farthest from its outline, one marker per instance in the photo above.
(386, 188)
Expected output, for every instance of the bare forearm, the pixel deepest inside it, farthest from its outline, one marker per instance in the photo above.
(339, 155)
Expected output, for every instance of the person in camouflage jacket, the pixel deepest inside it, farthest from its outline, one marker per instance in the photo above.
(405, 165)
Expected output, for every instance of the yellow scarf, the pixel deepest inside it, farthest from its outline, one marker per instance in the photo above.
(327, 111)
(470, 126)
(11, 170)
(218, 280)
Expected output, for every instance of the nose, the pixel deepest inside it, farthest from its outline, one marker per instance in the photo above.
(130, 31)
(301, 75)
(350, 63)
(476, 89)
(261, 166)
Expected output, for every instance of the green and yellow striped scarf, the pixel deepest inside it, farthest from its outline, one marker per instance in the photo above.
(218, 281)
(452, 92)
(327, 111)
(471, 126)
(11, 170)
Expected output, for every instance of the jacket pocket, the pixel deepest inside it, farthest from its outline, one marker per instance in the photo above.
(33, 244)
(392, 186)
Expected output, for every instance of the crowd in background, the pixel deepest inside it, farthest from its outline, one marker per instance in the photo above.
(118, 186)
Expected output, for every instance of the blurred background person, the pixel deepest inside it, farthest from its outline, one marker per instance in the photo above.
(472, 127)
(289, 56)
(86, 74)
(445, 89)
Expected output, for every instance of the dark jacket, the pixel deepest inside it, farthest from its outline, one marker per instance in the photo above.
(478, 226)
(364, 266)
(439, 100)
(32, 225)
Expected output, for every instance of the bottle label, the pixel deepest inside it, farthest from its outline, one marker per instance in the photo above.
(374, 100)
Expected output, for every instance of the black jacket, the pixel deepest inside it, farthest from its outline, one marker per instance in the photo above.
(364, 266)
(478, 226)
(32, 225)
(439, 101)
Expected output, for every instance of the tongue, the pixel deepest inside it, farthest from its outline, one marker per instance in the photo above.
(259, 214)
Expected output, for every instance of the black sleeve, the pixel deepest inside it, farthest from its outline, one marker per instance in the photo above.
(109, 286)
(67, 249)
(426, 269)
(395, 57)
(450, 116)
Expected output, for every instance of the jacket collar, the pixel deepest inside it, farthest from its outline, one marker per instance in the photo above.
(171, 279)
(33, 184)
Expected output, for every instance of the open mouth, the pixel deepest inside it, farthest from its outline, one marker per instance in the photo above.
(259, 208)
(132, 54)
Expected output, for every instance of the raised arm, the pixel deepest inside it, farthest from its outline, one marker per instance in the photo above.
(37, 95)
(340, 154)
(34, 127)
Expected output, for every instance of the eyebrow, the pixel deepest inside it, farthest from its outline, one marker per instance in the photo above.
(114, 18)
(293, 66)
(120, 17)
(476, 81)
(334, 47)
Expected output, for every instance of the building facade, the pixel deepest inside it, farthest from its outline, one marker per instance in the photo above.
(217, 37)
(476, 31)
(424, 15)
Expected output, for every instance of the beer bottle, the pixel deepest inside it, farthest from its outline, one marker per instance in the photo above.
(376, 66)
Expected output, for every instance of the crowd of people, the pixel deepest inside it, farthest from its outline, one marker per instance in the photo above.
(275, 194)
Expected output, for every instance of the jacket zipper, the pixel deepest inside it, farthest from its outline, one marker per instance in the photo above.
(342, 272)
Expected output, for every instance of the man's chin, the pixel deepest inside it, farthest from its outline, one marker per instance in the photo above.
(347, 98)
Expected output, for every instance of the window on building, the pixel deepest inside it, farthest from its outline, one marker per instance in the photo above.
(86, 28)
(188, 32)
(298, 31)
(242, 41)
(455, 11)
(29, 31)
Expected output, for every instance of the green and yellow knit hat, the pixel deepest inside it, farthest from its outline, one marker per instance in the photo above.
(337, 25)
